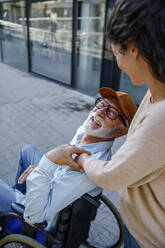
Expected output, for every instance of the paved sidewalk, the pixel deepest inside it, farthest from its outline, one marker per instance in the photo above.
(37, 111)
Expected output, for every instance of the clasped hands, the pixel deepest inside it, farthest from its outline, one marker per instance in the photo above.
(62, 155)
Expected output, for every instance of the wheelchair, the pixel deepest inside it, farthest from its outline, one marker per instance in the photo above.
(100, 227)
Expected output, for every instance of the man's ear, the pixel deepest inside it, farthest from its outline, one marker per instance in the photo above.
(124, 131)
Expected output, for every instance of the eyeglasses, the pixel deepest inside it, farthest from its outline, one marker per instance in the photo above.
(112, 113)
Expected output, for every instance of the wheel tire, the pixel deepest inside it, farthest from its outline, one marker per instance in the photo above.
(17, 240)
(96, 227)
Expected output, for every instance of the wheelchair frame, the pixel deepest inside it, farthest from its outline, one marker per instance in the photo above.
(28, 235)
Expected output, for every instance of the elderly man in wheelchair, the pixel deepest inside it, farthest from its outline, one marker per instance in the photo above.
(55, 205)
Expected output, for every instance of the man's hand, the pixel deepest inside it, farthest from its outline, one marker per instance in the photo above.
(25, 174)
(62, 155)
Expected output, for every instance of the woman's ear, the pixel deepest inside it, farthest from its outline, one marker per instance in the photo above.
(134, 49)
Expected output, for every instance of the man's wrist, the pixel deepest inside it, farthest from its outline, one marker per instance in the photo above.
(51, 156)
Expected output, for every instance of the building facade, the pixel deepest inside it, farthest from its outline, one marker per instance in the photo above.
(62, 40)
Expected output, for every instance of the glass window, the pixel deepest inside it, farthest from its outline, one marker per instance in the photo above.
(13, 34)
(89, 42)
(51, 39)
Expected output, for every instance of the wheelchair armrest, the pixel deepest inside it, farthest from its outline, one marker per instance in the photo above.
(19, 209)
(94, 200)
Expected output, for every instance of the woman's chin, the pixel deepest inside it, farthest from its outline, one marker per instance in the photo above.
(137, 82)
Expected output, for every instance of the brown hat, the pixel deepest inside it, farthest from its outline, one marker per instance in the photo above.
(127, 104)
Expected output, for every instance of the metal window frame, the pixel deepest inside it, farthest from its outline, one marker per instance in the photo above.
(1, 48)
(114, 70)
(28, 7)
(103, 47)
(74, 38)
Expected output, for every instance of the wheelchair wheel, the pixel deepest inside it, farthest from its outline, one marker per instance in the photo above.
(19, 241)
(107, 230)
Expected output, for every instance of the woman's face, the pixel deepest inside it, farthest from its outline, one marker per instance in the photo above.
(131, 63)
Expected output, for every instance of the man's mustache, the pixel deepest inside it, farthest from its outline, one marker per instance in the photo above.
(97, 118)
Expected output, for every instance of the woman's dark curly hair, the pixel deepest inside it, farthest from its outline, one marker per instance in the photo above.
(142, 22)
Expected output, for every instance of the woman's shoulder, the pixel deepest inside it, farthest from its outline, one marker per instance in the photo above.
(158, 107)
(155, 118)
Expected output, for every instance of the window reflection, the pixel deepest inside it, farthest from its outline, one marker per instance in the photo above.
(51, 39)
(108, 54)
(14, 34)
(89, 44)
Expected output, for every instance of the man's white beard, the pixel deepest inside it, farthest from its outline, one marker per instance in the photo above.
(101, 132)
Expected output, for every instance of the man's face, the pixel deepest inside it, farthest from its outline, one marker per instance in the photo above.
(99, 125)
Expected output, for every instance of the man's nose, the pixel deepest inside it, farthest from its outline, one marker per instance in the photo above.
(102, 112)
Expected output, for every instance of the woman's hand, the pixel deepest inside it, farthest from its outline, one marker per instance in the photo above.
(80, 159)
(62, 155)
